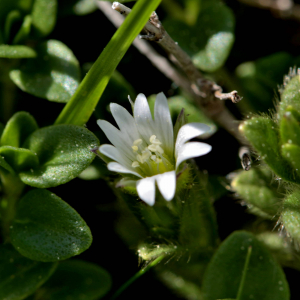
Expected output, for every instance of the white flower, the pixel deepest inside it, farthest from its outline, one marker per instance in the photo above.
(145, 148)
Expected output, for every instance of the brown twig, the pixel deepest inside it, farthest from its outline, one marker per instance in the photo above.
(205, 93)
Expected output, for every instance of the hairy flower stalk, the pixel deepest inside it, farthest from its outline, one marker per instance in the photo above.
(145, 148)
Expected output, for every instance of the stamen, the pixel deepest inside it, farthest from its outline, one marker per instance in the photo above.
(153, 157)
(135, 164)
(154, 140)
(152, 147)
(137, 142)
(159, 149)
(135, 148)
(139, 158)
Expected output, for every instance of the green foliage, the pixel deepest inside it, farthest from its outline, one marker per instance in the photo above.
(75, 279)
(24, 31)
(43, 16)
(20, 276)
(47, 229)
(264, 279)
(17, 129)
(210, 39)
(254, 187)
(54, 74)
(19, 159)
(64, 151)
(17, 51)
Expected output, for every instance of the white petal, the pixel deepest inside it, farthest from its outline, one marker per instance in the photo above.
(167, 184)
(190, 150)
(125, 122)
(187, 132)
(143, 117)
(116, 167)
(146, 189)
(163, 123)
(117, 138)
(113, 153)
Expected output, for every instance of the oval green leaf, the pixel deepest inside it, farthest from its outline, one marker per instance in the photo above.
(18, 51)
(64, 151)
(264, 279)
(20, 276)
(17, 129)
(43, 16)
(48, 229)
(53, 75)
(19, 159)
(210, 39)
(76, 280)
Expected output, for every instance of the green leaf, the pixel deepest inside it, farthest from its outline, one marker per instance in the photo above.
(43, 16)
(23, 32)
(76, 280)
(53, 75)
(19, 159)
(210, 39)
(17, 129)
(254, 186)
(262, 132)
(290, 216)
(83, 7)
(290, 96)
(82, 104)
(264, 279)
(18, 51)
(48, 229)
(11, 18)
(6, 166)
(290, 128)
(19, 276)
(64, 151)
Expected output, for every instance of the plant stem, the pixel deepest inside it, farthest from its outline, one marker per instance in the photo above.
(135, 277)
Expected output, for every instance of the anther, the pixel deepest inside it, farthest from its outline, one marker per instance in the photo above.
(135, 164)
(135, 148)
(137, 142)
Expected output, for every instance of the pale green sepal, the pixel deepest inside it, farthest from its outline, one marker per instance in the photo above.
(289, 129)
(290, 216)
(292, 154)
(290, 96)
(254, 186)
(262, 132)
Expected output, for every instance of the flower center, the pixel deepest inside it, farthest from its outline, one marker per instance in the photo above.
(151, 158)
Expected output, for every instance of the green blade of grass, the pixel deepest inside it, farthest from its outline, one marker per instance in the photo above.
(80, 107)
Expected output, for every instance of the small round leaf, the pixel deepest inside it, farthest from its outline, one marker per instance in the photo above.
(20, 276)
(64, 151)
(17, 129)
(48, 229)
(53, 75)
